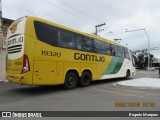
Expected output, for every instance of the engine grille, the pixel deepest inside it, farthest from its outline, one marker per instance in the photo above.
(14, 49)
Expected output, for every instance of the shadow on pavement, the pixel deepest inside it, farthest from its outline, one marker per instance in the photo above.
(13, 93)
(14, 90)
(37, 90)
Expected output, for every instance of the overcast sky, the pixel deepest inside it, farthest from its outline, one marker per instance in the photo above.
(83, 15)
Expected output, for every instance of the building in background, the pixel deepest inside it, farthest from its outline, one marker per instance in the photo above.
(4, 24)
(156, 62)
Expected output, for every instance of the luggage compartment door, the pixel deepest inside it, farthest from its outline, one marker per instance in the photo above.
(44, 73)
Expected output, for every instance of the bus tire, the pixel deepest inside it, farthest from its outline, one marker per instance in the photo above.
(127, 74)
(70, 80)
(85, 79)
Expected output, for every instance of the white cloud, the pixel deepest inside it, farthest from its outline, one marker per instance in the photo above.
(118, 15)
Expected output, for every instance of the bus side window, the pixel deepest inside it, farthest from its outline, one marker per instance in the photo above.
(99, 46)
(79, 42)
(88, 44)
(119, 51)
(107, 48)
(127, 54)
(122, 52)
(113, 50)
(67, 39)
(46, 33)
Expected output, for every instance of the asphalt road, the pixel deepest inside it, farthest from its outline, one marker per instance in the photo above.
(99, 96)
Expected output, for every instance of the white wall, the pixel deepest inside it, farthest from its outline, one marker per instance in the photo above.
(3, 65)
(2, 59)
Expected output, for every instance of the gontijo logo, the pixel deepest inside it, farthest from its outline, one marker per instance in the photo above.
(14, 26)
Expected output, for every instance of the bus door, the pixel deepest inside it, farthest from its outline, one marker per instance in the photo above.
(44, 73)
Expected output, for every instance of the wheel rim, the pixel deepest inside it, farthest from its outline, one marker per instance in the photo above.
(71, 81)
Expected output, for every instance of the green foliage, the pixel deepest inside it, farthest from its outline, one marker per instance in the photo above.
(142, 61)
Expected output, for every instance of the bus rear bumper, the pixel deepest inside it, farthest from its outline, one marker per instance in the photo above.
(18, 79)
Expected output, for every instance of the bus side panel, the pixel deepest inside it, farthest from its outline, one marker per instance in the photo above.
(44, 73)
(93, 67)
(71, 66)
(101, 67)
(60, 73)
(117, 68)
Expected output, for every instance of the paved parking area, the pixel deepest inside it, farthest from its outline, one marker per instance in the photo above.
(99, 96)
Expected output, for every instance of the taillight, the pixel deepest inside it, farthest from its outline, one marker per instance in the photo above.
(26, 66)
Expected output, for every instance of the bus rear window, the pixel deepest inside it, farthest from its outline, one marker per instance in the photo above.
(46, 33)
(127, 54)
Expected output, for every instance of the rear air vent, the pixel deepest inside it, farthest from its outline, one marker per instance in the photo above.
(14, 49)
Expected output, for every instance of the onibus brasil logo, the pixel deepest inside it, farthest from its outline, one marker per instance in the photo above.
(21, 114)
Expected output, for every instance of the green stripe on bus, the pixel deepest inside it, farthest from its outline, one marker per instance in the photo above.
(114, 66)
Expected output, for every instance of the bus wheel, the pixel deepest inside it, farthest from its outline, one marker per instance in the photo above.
(85, 80)
(127, 74)
(70, 80)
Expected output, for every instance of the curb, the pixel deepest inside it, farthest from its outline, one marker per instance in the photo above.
(136, 87)
(3, 81)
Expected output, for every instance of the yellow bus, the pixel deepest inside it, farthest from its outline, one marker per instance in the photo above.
(40, 52)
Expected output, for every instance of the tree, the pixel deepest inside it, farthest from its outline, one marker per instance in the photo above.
(142, 61)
